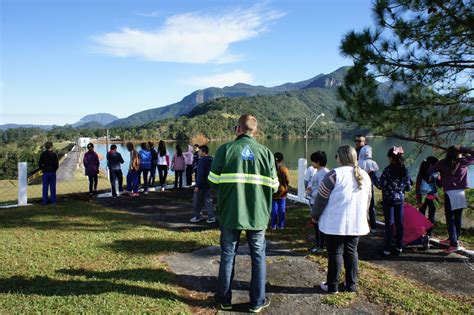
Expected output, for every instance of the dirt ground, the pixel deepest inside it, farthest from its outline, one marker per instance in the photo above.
(292, 279)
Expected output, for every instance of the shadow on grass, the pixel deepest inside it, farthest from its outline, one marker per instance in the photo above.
(74, 215)
(46, 286)
(151, 246)
(206, 284)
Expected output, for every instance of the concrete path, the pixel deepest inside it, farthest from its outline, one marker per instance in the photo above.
(68, 167)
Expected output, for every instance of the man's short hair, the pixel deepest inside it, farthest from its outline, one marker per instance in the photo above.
(113, 147)
(204, 148)
(248, 123)
(48, 145)
(319, 157)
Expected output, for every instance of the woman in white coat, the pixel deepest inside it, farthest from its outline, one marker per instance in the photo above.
(341, 209)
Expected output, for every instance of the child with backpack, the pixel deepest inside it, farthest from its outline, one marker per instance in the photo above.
(394, 182)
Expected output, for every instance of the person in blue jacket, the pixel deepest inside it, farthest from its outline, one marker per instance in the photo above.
(202, 190)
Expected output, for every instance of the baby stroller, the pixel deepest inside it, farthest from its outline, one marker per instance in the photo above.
(415, 227)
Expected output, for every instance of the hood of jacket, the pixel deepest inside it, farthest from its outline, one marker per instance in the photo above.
(365, 152)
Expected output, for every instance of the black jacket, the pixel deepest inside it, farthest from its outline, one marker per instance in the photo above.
(114, 159)
(48, 162)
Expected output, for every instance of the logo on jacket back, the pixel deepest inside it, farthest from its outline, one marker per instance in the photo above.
(247, 154)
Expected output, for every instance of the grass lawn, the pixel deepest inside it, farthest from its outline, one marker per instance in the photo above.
(79, 257)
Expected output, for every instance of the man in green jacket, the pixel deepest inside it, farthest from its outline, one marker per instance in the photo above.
(243, 173)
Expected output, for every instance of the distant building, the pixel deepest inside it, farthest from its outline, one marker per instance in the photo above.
(83, 141)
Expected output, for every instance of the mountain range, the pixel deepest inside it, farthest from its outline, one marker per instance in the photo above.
(189, 102)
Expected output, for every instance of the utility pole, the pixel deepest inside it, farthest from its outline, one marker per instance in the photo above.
(306, 133)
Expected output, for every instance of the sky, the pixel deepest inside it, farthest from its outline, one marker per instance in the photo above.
(64, 59)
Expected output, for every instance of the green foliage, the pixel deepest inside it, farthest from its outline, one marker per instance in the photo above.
(423, 52)
(279, 116)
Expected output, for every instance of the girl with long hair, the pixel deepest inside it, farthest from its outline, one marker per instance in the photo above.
(340, 208)
(163, 163)
(394, 182)
(453, 170)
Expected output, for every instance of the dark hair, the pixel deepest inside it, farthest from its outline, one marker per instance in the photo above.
(278, 157)
(113, 147)
(398, 163)
(130, 146)
(197, 145)
(90, 145)
(452, 159)
(162, 148)
(319, 157)
(150, 144)
(143, 145)
(424, 166)
(204, 148)
(179, 151)
(48, 145)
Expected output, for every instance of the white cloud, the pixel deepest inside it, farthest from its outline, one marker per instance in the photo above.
(220, 79)
(189, 38)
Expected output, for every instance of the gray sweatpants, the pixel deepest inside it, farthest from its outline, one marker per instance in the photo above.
(201, 198)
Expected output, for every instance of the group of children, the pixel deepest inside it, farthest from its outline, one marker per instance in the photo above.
(449, 173)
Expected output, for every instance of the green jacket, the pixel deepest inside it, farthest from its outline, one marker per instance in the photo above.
(244, 175)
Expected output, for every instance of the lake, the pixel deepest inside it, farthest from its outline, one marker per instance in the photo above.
(294, 150)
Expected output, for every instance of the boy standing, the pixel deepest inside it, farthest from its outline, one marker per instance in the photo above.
(202, 190)
(49, 164)
(318, 161)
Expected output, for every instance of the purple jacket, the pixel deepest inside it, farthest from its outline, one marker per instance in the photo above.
(458, 179)
(91, 163)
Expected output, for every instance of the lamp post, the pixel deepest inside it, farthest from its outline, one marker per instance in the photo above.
(306, 133)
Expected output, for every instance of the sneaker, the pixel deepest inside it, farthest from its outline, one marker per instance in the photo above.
(196, 219)
(445, 242)
(386, 253)
(397, 251)
(317, 250)
(258, 309)
(145, 192)
(211, 220)
(373, 231)
(162, 188)
(274, 228)
(452, 249)
(324, 287)
(135, 194)
(223, 306)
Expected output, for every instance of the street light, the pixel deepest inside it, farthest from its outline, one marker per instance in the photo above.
(306, 134)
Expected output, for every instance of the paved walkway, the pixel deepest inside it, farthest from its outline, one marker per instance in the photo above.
(68, 166)
(292, 279)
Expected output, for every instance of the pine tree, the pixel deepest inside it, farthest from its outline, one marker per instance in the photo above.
(413, 71)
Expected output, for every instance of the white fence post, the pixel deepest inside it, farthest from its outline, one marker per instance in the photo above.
(22, 184)
(301, 170)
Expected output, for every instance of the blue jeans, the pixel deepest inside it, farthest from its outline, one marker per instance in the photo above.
(392, 211)
(229, 244)
(49, 181)
(278, 212)
(453, 221)
(132, 181)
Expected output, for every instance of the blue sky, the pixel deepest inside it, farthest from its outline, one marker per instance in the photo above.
(61, 60)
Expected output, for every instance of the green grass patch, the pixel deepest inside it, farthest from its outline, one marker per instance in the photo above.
(80, 257)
